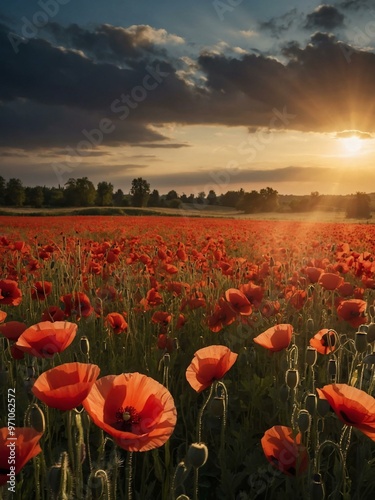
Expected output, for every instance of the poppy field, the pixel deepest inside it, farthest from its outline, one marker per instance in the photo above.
(175, 358)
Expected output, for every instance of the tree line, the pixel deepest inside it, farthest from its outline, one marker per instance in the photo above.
(81, 192)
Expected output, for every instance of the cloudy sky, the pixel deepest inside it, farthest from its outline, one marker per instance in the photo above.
(190, 95)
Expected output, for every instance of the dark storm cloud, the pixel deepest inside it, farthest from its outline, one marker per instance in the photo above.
(278, 25)
(325, 17)
(50, 95)
(355, 4)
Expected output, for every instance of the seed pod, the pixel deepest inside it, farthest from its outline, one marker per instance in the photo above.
(292, 378)
(361, 341)
(371, 332)
(180, 474)
(303, 420)
(84, 345)
(323, 407)
(310, 403)
(332, 367)
(196, 455)
(310, 325)
(217, 406)
(98, 483)
(311, 355)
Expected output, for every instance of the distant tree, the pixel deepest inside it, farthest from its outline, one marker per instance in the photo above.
(201, 197)
(34, 196)
(211, 197)
(140, 192)
(359, 206)
(2, 190)
(104, 194)
(171, 195)
(86, 192)
(55, 197)
(230, 198)
(118, 198)
(190, 198)
(154, 199)
(269, 199)
(250, 202)
(14, 193)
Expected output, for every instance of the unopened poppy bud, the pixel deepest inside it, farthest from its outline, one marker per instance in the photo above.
(183, 497)
(371, 332)
(284, 393)
(369, 359)
(167, 359)
(292, 378)
(31, 371)
(311, 355)
(303, 420)
(84, 346)
(180, 474)
(361, 341)
(35, 418)
(310, 325)
(54, 479)
(310, 403)
(217, 406)
(98, 483)
(332, 367)
(320, 426)
(317, 488)
(323, 407)
(363, 328)
(196, 455)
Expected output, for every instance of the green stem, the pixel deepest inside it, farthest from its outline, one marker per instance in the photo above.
(129, 475)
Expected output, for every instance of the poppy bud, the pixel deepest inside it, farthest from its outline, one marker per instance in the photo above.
(31, 371)
(371, 332)
(196, 455)
(332, 368)
(98, 484)
(361, 341)
(323, 407)
(183, 497)
(311, 355)
(317, 488)
(167, 359)
(369, 359)
(310, 403)
(310, 325)
(84, 345)
(292, 378)
(303, 420)
(284, 393)
(35, 418)
(217, 406)
(180, 474)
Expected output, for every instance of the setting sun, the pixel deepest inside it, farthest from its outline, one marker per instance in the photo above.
(352, 144)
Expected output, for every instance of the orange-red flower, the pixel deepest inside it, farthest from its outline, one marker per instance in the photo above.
(116, 322)
(10, 294)
(352, 406)
(3, 315)
(353, 311)
(324, 341)
(275, 338)
(77, 303)
(223, 315)
(285, 451)
(25, 447)
(238, 302)
(53, 313)
(330, 281)
(41, 290)
(209, 364)
(137, 411)
(45, 339)
(12, 329)
(66, 386)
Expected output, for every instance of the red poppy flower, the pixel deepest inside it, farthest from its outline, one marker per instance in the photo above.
(161, 318)
(223, 315)
(116, 322)
(12, 329)
(254, 293)
(77, 303)
(324, 341)
(53, 313)
(25, 446)
(352, 406)
(352, 311)
(41, 290)
(284, 451)
(275, 338)
(238, 302)
(66, 386)
(45, 339)
(10, 294)
(209, 364)
(330, 281)
(165, 343)
(137, 411)
(313, 273)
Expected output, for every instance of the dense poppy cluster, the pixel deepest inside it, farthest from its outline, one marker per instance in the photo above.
(207, 298)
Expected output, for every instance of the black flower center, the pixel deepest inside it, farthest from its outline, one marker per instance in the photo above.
(126, 418)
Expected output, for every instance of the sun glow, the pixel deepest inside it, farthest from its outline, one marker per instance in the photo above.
(352, 144)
